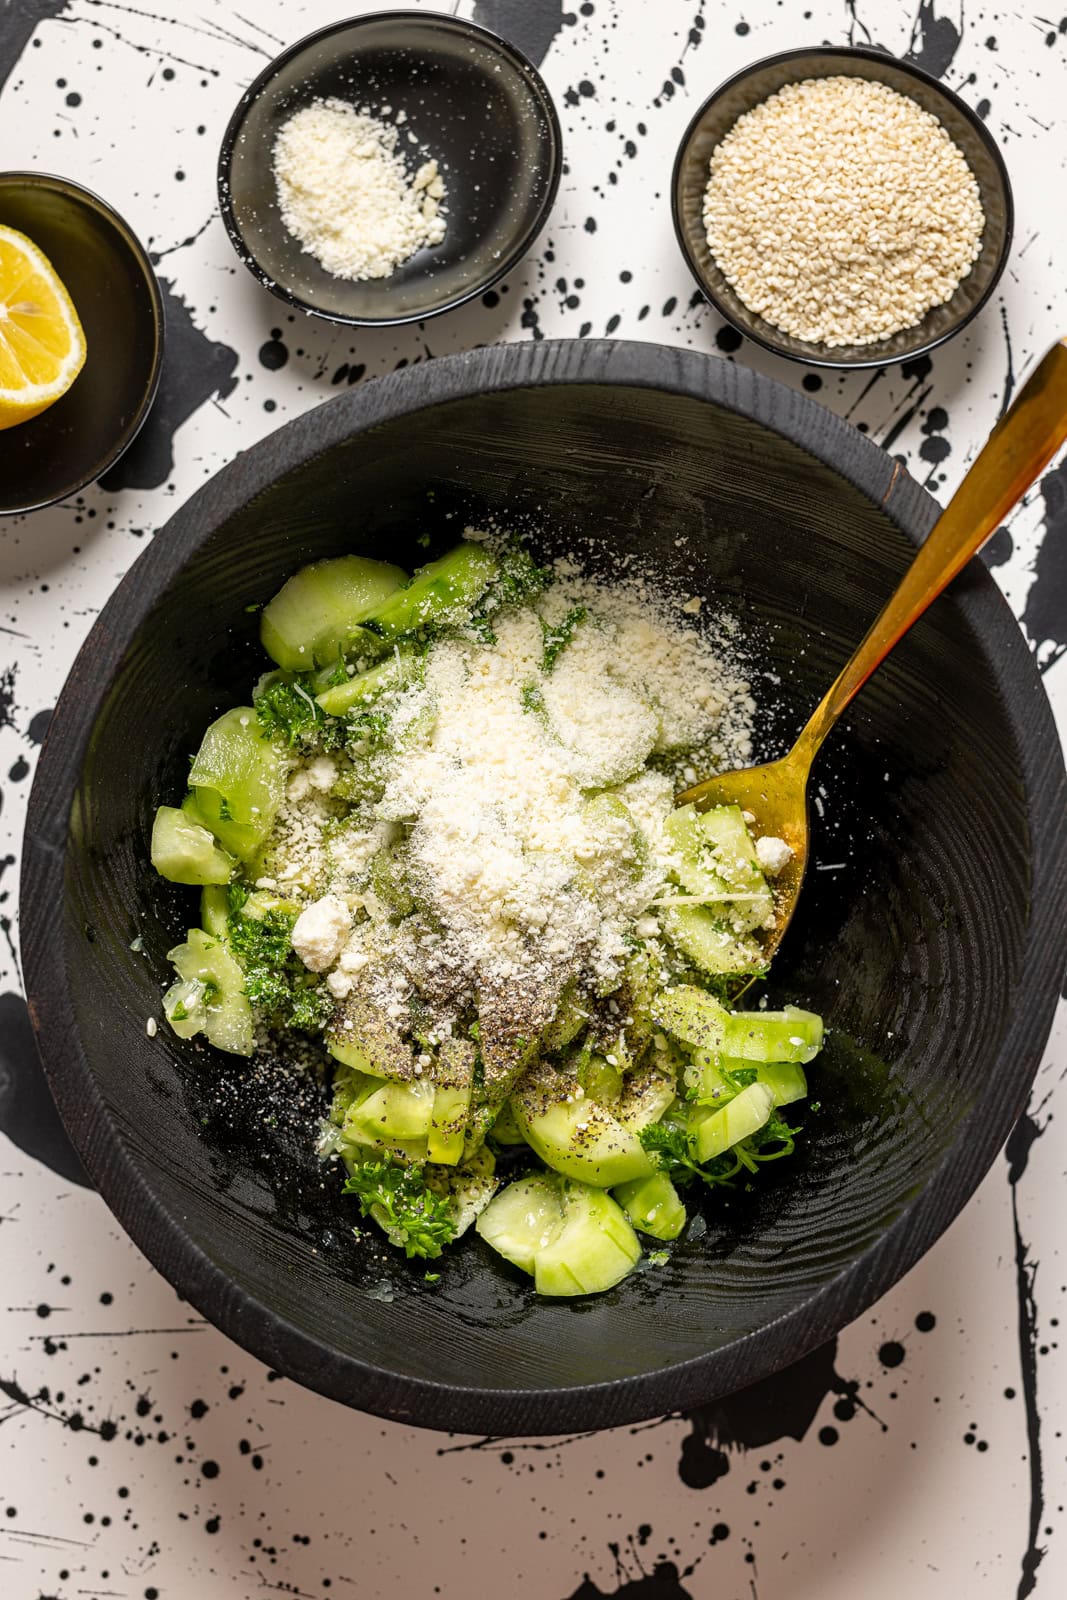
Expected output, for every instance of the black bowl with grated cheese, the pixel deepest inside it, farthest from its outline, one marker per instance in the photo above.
(929, 933)
(457, 93)
(753, 86)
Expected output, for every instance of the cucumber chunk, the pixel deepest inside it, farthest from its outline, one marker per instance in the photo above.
(313, 615)
(237, 779)
(582, 1140)
(395, 1116)
(594, 1249)
(785, 1079)
(709, 941)
(215, 910)
(568, 1022)
(453, 1077)
(363, 1038)
(505, 1128)
(401, 668)
(715, 860)
(712, 1133)
(573, 1238)
(210, 994)
(185, 852)
(652, 1205)
(444, 591)
(691, 1016)
(787, 1035)
(522, 1219)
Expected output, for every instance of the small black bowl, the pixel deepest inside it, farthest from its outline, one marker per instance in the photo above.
(471, 100)
(117, 298)
(749, 88)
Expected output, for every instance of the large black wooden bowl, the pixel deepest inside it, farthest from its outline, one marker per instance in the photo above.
(927, 933)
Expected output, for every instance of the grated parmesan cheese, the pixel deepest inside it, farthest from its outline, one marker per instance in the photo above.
(347, 196)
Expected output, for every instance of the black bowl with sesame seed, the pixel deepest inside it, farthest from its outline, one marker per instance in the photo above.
(752, 87)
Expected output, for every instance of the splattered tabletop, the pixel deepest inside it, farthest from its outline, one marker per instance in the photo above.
(142, 1454)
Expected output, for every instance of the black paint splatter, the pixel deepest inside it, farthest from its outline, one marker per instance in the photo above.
(7, 697)
(27, 1111)
(934, 40)
(275, 352)
(195, 367)
(1022, 1140)
(1045, 612)
(664, 1582)
(20, 18)
(39, 726)
(530, 24)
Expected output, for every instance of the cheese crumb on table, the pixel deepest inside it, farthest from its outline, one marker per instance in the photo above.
(347, 196)
(841, 211)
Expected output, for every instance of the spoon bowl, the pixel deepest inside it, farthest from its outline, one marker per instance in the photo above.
(1019, 448)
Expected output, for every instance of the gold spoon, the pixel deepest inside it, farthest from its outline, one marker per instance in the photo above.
(1022, 443)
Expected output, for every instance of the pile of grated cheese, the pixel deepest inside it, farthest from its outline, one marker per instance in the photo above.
(346, 194)
(526, 805)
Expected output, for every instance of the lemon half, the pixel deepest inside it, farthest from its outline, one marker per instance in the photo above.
(42, 346)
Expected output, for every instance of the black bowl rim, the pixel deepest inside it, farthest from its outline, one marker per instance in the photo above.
(474, 30)
(69, 189)
(768, 341)
(162, 1236)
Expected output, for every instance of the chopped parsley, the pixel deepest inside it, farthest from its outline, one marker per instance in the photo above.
(559, 635)
(416, 1220)
(288, 711)
(276, 981)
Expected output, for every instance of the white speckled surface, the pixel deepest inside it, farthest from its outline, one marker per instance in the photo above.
(143, 1455)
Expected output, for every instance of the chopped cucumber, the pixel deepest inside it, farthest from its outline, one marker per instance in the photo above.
(396, 1116)
(467, 1188)
(709, 942)
(215, 910)
(691, 1016)
(568, 1022)
(653, 1205)
(713, 1132)
(785, 1079)
(261, 903)
(312, 617)
(400, 668)
(787, 1035)
(716, 862)
(647, 1095)
(582, 1140)
(601, 1080)
(442, 592)
(594, 1249)
(573, 1238)
(452, 1101)
(207, 808)
(522, 1219)
(185, 852)
(364, 1038)
(220, 1007)
(237, 778)
(505, 1128)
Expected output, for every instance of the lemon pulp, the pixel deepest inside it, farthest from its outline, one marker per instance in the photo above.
(42, 345)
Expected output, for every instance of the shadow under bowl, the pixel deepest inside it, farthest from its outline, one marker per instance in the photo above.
(929, 933)
(471, 100)
(749, 88)
(114, 290)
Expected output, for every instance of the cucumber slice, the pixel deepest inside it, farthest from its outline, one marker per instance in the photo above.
(453, 1077)
(521, 1220)
(363, 1038)
(395, 1114)
(647, 1096)
(261, 903)
(787, 1035)
(223, 1013)
(310, 619)
(444, 591)
(215, 911)
(568, 1022)
(401, 668)
(601, 1081)
(206, 807)
(573, 1238)
(594, 1249)
(237, 778)
(185, 852)
(505, 1128)
(710, 942)
(652, 1205)
(715, 859)
(584, 1141)
(712, 1133)
(785, 1079)
(691, 1016)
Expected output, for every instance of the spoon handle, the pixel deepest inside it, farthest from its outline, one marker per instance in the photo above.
(1022, 443)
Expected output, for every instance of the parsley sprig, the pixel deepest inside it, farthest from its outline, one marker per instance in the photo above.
(416, 1220)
